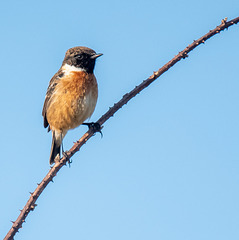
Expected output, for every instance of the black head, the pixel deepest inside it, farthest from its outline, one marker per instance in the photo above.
(81, 57)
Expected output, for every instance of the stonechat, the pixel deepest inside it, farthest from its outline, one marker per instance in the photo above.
(71, 95)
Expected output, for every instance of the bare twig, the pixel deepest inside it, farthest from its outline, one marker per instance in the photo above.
(31, 203)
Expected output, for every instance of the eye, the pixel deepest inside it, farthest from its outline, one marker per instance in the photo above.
(79, 56)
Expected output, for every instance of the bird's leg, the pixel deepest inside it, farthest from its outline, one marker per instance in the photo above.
(62, 149)
(64, 153)
(94, 126)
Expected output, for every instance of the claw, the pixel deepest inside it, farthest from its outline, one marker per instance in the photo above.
(94, 126)
(64, 153)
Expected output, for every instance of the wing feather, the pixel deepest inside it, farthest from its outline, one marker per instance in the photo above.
(50, 90)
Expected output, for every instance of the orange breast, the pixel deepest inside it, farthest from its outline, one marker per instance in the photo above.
(73, 101)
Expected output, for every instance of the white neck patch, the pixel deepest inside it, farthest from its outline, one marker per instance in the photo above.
(67, 69)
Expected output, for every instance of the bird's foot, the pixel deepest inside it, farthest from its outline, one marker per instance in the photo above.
(94, 126)
(68, 160)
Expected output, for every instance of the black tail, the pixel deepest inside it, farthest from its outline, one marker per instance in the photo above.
(55, 149)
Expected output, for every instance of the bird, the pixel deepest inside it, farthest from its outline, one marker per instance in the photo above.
(71, 96)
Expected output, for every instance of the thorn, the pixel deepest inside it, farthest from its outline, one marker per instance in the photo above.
(155, 74)
(38, 184)
(223, 22)
(52, 179)
(33, 206)
(184, 55)
(32, 195)
(20, 210)
(13, 222)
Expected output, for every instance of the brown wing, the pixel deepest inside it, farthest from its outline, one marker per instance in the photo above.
(52, 85)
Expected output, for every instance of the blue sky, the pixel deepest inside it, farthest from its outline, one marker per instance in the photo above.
(167, 166)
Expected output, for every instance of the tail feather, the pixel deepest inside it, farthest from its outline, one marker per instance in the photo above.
(55, 148)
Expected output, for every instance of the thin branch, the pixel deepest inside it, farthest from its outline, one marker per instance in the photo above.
(31, 203)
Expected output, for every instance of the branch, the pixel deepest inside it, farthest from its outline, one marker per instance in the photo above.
(31, 203)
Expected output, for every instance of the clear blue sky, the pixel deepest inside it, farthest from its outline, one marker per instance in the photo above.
(167, 166)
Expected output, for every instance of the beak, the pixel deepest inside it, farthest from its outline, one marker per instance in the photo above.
(96, 55)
